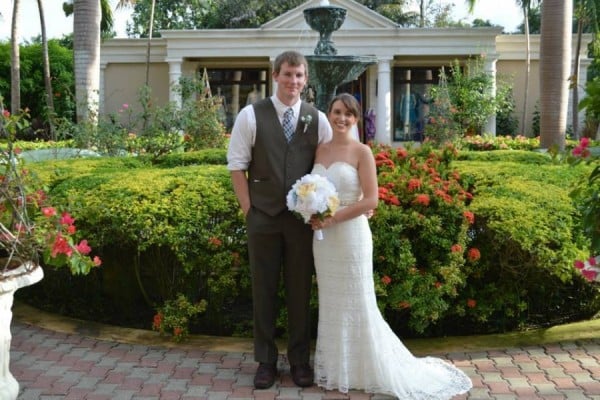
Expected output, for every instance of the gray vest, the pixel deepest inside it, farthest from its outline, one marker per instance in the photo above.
(276, 164)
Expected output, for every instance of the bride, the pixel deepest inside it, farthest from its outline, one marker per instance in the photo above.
(356, 348)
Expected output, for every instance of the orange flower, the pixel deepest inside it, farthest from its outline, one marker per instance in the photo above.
(386, 280)
(471, 303)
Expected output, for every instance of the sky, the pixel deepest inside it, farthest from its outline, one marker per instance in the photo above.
(498, 12)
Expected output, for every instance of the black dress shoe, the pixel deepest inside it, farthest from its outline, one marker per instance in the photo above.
(302, 375)
(265, 375)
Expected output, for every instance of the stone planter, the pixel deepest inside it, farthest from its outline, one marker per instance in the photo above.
(24, 275)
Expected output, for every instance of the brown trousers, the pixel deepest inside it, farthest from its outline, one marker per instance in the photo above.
(280, 246)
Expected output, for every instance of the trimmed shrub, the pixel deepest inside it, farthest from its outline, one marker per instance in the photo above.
(464, 242)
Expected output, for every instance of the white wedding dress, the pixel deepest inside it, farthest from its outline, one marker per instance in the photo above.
(356, 348)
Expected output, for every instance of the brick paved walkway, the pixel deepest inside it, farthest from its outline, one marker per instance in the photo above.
(50, 365)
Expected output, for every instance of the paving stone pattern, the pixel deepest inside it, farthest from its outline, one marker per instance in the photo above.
(52, 366)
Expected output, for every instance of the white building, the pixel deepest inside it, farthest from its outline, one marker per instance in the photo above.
(239, 61)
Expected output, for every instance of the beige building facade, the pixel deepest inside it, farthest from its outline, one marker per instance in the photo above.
(239, 62)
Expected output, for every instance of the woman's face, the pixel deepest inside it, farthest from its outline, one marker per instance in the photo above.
(340, 117)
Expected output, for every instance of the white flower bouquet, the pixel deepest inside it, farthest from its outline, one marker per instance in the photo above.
(313, 195)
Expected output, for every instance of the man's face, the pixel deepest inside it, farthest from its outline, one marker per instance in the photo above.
(290, 82)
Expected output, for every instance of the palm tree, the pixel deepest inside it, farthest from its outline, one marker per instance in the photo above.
(86, 52)
(46, 62)
(555, 59)
(526, 6)
(15, 62)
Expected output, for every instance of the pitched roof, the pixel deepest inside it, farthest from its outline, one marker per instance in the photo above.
(357, 17)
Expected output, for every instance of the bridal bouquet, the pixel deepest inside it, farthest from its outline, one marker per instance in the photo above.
(313, 195)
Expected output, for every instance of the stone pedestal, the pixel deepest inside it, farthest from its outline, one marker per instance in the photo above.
(10, 282)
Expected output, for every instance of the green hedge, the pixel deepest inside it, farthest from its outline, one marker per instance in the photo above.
(167, 229)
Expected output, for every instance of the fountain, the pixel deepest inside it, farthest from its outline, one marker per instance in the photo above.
(327, 70)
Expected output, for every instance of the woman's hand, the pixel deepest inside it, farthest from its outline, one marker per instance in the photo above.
(318, 223)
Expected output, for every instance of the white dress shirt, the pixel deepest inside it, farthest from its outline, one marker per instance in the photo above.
(243, 133)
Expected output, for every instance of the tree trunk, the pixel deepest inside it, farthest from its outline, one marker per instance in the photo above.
(150, 33)
(86, 51)
(15, 62)
(47, 80)
(527, 70)
(575, 80)
(555, 61)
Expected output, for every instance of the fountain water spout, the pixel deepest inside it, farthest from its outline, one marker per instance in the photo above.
(327, 70)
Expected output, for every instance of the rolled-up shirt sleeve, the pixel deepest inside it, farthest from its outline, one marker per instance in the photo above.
(243, 133)
(325, 133)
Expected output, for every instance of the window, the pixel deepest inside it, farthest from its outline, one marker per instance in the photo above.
(236, 87)
(410, 105)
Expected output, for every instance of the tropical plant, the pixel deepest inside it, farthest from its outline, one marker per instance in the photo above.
(555, 65)
(15, 67)
(174, 316)
(46, 63)
(86, 52)
(32, 231)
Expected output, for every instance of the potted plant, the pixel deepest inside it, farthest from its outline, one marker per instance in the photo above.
(32, 233)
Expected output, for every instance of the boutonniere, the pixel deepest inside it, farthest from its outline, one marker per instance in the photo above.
(306, 120)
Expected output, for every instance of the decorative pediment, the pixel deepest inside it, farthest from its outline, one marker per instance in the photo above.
(357, 17)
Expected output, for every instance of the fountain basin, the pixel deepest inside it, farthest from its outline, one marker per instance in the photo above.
(327, 72)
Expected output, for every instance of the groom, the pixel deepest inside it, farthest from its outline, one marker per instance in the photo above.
(264, 164)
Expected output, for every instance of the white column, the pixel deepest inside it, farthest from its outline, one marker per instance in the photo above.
(102, 89)
(235, 93)
(584, 64)
(263, 86)
(174, 75)
(490, 68)
(383, 113)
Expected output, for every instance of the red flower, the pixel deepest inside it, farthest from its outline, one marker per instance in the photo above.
(66, 219)
(157, 322)
(393, 200)
(97, 261)
(589, 274)
(422, 199)
(414, 184)
(386, 280)
(592, 261)
(49, 211)
(177, 331)
(456, 248)
(473, 254)
(61, 246)
(6, 113)
(401, 152)
(578, 264)
(471, 303)
(83, 247)
(469, 216)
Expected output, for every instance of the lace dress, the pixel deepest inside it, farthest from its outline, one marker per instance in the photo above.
(356, 348)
